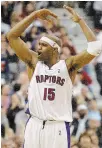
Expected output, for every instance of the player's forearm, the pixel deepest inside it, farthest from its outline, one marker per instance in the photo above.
(87, 31)
(19, 28)
(76, 18)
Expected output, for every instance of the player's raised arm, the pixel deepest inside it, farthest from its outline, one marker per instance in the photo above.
(13, 36)
(94, 47)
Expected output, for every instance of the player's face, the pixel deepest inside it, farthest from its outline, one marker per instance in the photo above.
(44, 51)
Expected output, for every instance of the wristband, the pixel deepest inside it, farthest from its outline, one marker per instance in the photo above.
(79, 19)
(94, 48)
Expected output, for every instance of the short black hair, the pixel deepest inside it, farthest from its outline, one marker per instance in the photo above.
(54, 38)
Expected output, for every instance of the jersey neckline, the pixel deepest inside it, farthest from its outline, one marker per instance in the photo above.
(52, 67)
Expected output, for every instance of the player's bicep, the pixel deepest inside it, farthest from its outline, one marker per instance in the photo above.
(21, 50)
(81, 59)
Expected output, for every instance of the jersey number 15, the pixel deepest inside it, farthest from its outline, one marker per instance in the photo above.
(49, 93)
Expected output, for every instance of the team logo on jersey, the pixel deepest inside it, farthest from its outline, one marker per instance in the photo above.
(58, 70)
(50, 79)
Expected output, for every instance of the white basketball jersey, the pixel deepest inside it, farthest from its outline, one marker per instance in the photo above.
(50, 92)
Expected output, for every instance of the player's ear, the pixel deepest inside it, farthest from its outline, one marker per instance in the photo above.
(55, 49)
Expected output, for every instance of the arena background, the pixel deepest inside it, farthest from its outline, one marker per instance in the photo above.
(87, 93)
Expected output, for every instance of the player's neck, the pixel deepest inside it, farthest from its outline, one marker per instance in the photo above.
(52, 61)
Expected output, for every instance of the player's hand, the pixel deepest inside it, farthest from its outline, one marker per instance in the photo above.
(74, 15)
(46, 15)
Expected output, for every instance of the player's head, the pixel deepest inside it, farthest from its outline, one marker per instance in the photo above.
(49, 46)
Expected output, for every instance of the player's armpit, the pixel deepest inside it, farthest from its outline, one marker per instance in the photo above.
(71, 68)
(81, 60)
(22, 51)
(30, 72)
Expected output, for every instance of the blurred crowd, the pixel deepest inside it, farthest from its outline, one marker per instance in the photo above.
(86, 128)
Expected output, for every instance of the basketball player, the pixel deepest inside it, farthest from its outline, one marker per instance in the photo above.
(51, 81)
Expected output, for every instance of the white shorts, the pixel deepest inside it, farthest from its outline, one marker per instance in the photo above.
(53, 134)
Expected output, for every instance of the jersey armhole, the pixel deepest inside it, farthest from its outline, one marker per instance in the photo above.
(67, 72)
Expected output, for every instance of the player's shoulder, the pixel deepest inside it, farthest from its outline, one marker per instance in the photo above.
(69, 61)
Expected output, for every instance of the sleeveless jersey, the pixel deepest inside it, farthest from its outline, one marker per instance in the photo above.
(50, 92)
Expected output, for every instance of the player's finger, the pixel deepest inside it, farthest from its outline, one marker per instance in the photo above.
(49, 20)
(69, 9)
(52, 14)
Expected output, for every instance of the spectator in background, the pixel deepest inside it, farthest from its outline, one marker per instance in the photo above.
(97, 6)
(12, 63)
(42, 4)
(94, 123)
(74, 141)
(28, 7)
(5, 96)
(94, 138)
(98, 65)
(4, 122)
(22, 93)
(99, 131)
(20, 122)
(79, 124)
(4, 60)
(95, 141)
(15, 18)
(84, 77)
(93, 111)
(13, 109)
(6, 9)
(85, 141)
(65, 53)
(20, 83)
(98, 69)
(68, 43)
(18, 6)
(75, 146)
(4, 27)
(23, 78)
(8, 144)
(32, 34)
(80, 91)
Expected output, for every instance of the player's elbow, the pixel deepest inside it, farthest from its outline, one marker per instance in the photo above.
(10, 36)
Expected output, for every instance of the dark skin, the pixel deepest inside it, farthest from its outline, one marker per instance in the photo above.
(46, 53)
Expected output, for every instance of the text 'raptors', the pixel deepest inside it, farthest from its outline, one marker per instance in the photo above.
(50, 79)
